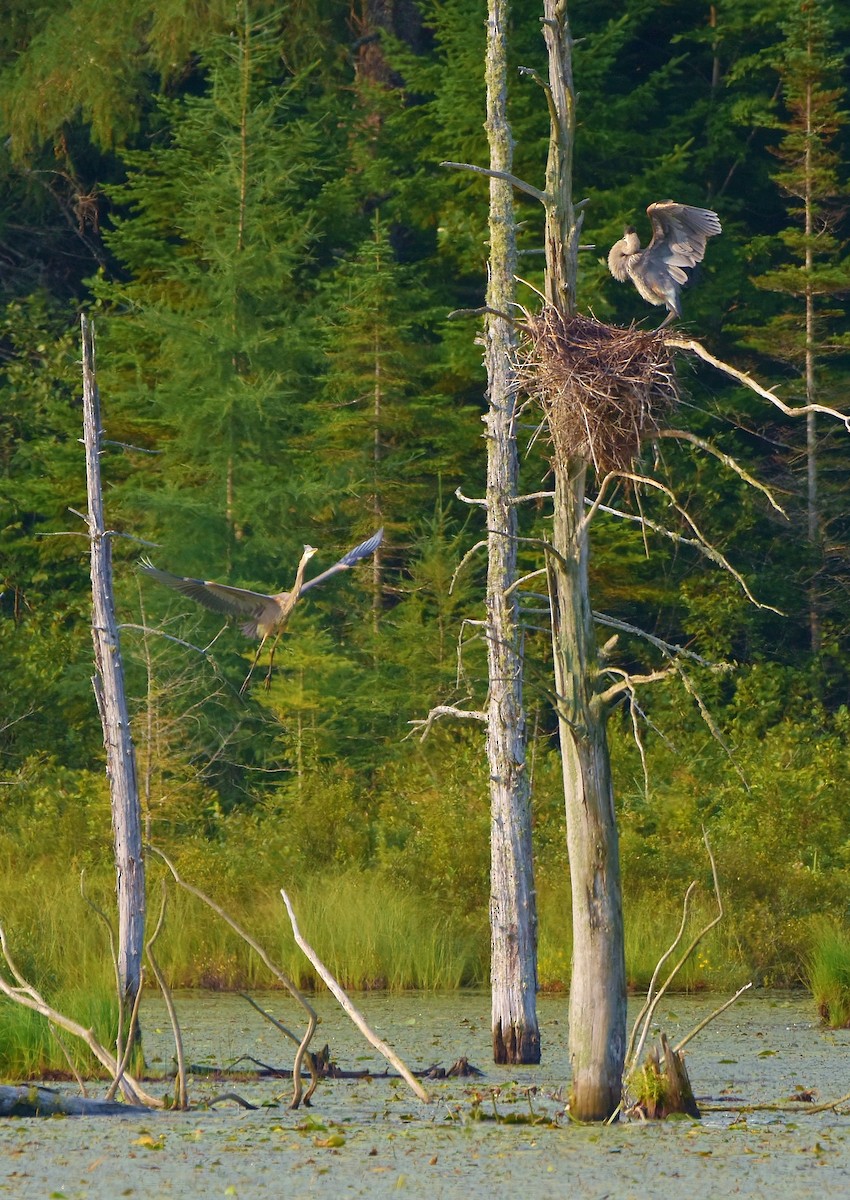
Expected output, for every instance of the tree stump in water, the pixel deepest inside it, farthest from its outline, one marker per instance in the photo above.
(662, 1084)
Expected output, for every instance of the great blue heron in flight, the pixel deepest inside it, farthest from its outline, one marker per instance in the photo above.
(266, 614)
(679, 235)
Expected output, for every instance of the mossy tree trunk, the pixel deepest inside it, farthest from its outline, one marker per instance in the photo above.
(513, 905)
(597, 1036)
(111, 700)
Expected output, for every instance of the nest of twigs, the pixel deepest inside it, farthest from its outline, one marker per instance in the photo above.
(603, 390)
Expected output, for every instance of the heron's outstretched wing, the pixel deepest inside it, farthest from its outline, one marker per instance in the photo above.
(348, 560)
(679, 235)
(235, 602)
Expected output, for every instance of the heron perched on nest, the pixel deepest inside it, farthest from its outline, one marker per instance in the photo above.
(679, 235)
(266, 614)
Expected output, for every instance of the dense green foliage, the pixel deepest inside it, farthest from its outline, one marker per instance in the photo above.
(248, 200)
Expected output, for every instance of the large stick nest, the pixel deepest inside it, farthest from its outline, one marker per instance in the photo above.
(603, 390)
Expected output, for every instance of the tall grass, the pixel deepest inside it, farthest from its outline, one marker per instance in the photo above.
(649, 931)
(366, 931)
(827, 972)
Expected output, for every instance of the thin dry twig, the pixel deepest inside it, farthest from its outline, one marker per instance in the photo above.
(128, 1049)
(684, 435)
(24, 993)
(60, 1041)
(632, 1055)
(711, 1016)
(182, 1099)
(695, 941)
(358, 1019)
(119, 991)
(294, 991)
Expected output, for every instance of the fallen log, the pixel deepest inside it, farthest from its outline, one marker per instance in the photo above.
(35, 1100)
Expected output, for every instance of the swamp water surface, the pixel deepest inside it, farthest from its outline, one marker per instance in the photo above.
(373, 1137)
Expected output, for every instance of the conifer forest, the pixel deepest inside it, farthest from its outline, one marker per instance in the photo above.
(249, 202)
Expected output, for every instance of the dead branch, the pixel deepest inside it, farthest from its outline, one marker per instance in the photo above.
(695, 941)
(478, 546)
(698, 543)
(24, 993)
(707, 1020)
(113, 952)
(629, 682)
(35, 1100)
(66, 1054)
(685, 435)
(182, 1098)
(519, 184)
(707, 548)
(470, 499)
(712, 725)
(524, 579)
(532, 496)
(235, 1097)
(445, 710)
(268, 1017)
(697, 348)
(669, 649)
(294, 991)
(380, 1045)
(131, 1030)
(169, 637)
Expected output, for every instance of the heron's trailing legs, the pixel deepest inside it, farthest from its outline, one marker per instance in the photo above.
(247, 678)
(268, 680)
(271, 660)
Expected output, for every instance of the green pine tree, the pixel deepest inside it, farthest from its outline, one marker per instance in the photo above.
(809, 267)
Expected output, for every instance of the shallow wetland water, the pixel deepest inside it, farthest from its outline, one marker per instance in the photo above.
(373, 1137)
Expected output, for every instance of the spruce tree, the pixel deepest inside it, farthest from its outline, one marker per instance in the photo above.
(809, 264)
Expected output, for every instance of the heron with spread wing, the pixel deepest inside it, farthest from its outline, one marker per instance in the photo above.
(261, 615)
(659, 271)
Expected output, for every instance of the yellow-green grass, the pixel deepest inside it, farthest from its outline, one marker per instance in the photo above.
(827, 972)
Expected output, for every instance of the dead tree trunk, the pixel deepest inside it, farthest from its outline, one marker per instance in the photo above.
(598, 983)
(513, 903)
(598, 987)
(108, 685)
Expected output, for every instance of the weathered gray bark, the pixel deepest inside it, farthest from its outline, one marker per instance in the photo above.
(597, 1039)
(598, 986)
(513, 904)
(108, 685)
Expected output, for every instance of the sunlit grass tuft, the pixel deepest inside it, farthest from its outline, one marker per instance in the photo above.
(827, 972)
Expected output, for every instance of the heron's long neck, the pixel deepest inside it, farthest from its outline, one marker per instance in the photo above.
(299, 574)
